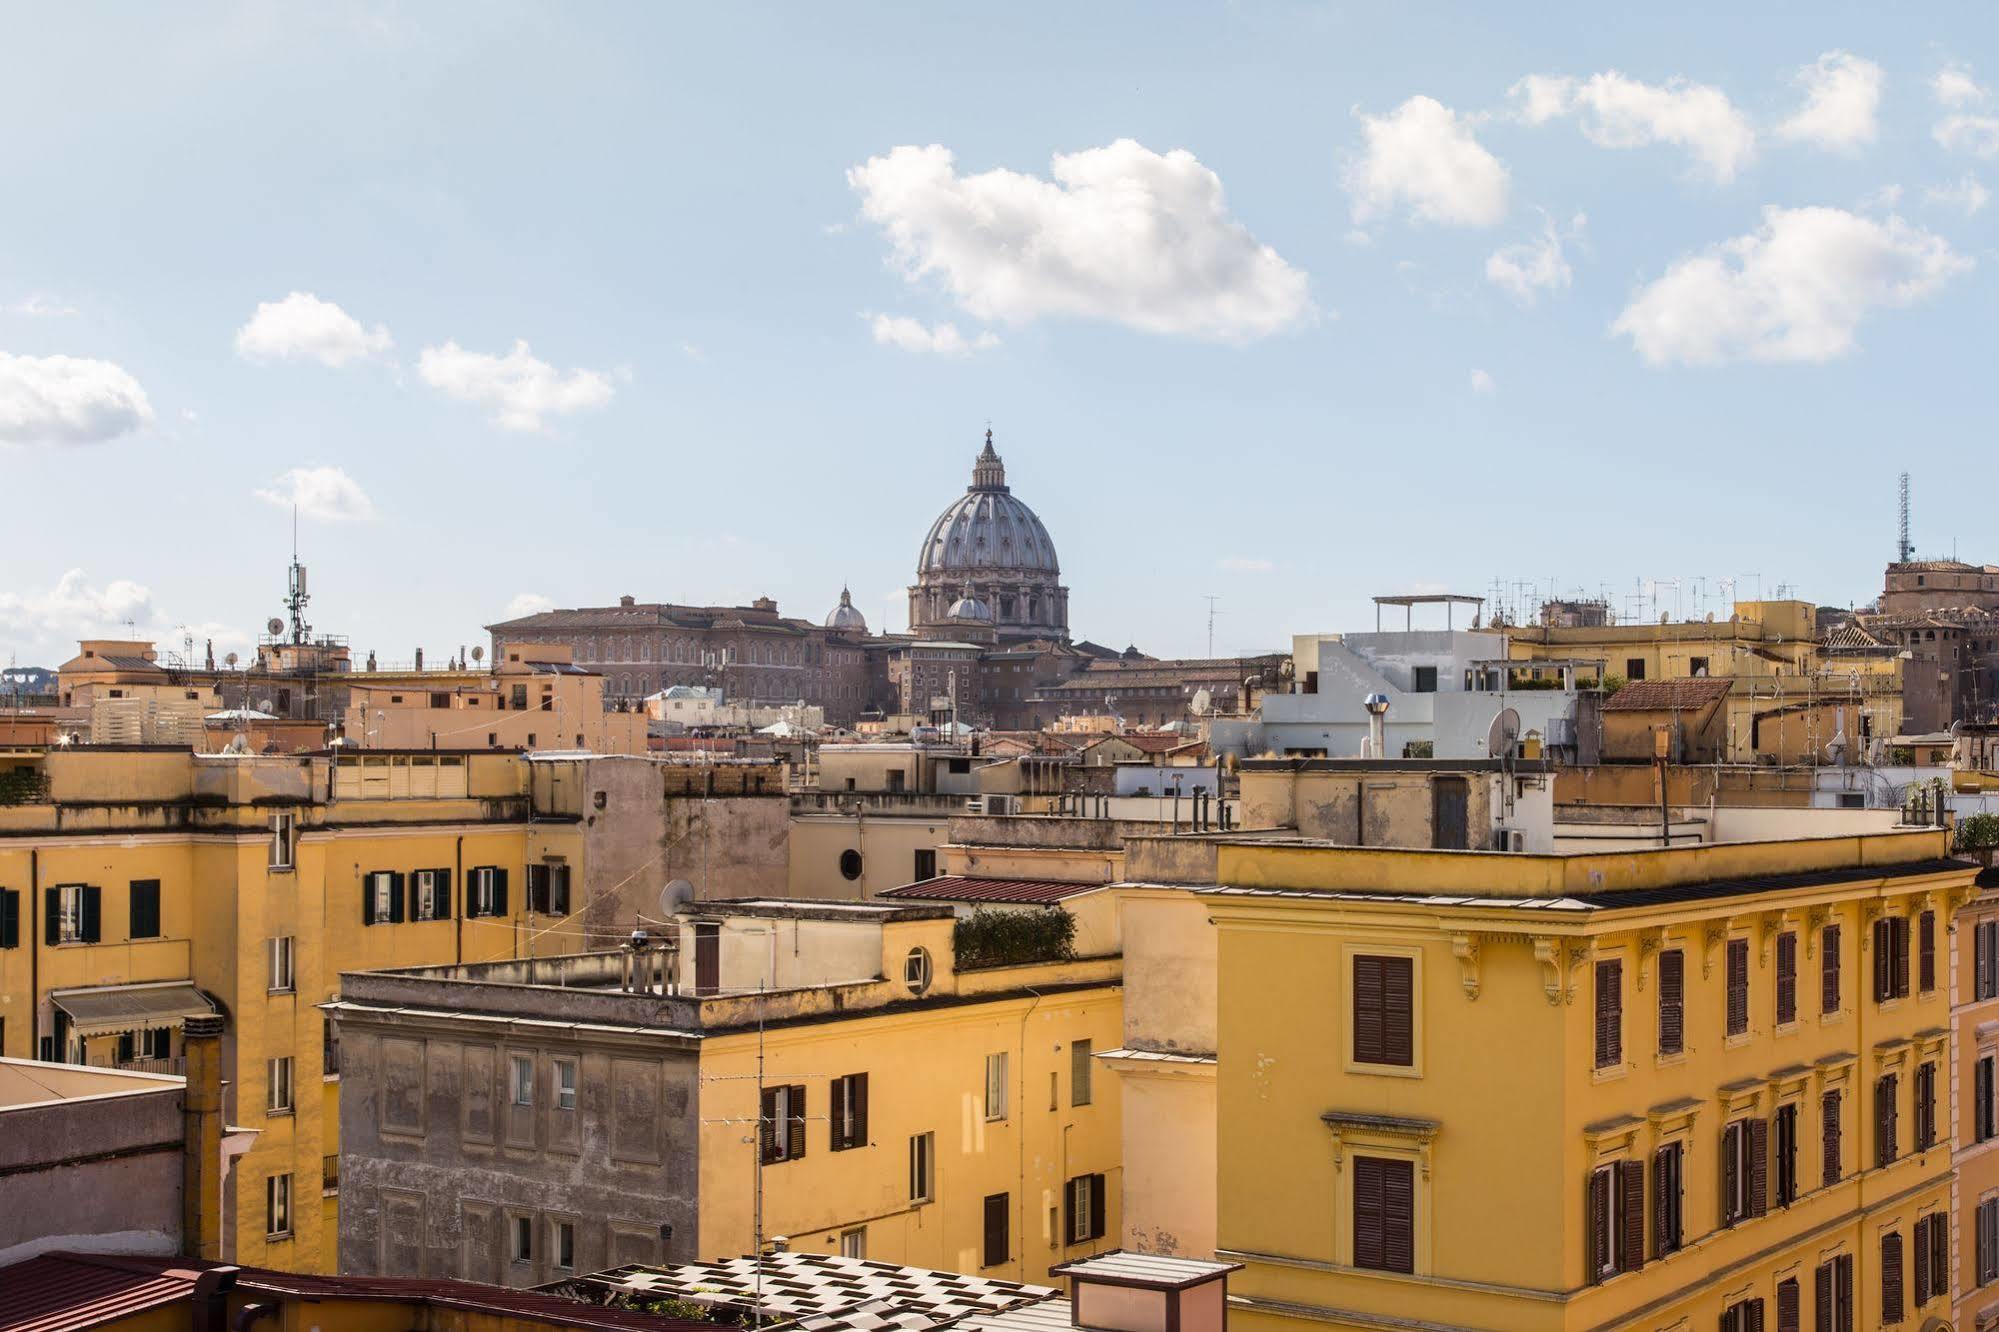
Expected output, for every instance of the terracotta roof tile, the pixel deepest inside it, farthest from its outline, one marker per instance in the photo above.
(1666, 695)
(960, 888)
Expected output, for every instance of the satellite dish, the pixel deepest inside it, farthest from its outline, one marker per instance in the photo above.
(1203, 701)
(274, 626)
(230, 661)
(264, 705)
(1503, 737)
(478, 654)
(674, 896)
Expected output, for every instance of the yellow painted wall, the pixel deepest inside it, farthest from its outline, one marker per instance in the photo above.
(887, 845)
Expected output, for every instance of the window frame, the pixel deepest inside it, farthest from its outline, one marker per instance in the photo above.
(281, 964)
(1412, 956)
(520, 1091)
(922, 1168)
(996, 1102)
(278, 1206)
(280, 1089)
(565, 1079)
(281, 853)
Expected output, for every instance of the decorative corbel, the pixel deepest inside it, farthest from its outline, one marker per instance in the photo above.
(1869, 913)
(1465, 947)
(1579, 955)
(1548, 952)
(1815, 920)
(1773, 925)
(1713, 937)
(1649, 945)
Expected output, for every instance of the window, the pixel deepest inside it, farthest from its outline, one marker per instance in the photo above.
(278, 1086)
(1985, 1124)
(1609, 1014)
(1744, 1170)
(1425, 681)
(73, 914)
(1616, 1204)
(782, 1130)
(1738, 986)
(1787, 1305)
(916, 971)
(145, 909)
(1634, 669)
(998, 1245)
(565, 1084)
(849, 1112)
(1668, 1198)
(278, 1206)
(548, 888)
(1985, 960)
(329, 1048)
(1672, 1001)
(283, 828)
(1383, 1025)
(1079, 1072)
(10, 918)
(1384, 1214)
(1829, 970)
(1832, 1158)
(564, 1236)
(486, 891)
(854, 1243)
(1787, 978)
(1696, 666)
(522, 1079)
(1891, 1277)
(1932, 1236)
(1885, 1119)
(996, 1086)
(922, 1167)
(1083, 1203)
(1786, 1183)
(1988, 1241)
(329, 1176)
(1891, 958)
(283, 974)
(382, 898)
(1833, 1285)
(926, 864)
(850, 863)
(1926, 952)
(1743, 1316)
(523, 1239)
(1926, 1106)
(430, 895)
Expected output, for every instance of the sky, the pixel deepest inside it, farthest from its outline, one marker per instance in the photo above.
(1285, 305)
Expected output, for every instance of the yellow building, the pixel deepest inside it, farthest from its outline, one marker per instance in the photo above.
(834, 1073)
(142, 887)
(1689, 1088)
(534, 698)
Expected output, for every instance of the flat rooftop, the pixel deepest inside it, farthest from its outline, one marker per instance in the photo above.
(25, 1082)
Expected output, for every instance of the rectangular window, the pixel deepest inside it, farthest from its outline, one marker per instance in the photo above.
(430, 894)
(73, 913)
(1891, 958)
(1616, 1220)
(1743, 1316)
(548, 888)
(1985, 960)
(486, 891)
(1609, 1013)
(283, 973)
(1080, 1071)
(564, 1244)
(1672, 1002)
(523, 1239)
(1787, 978)
(565, 1084)
(1744, 1170)
(283, 831)
(1988, 1242)
(849, 1122)
(1786, 1183)
(1083, 1201)
(996, 1086)
(145, 923)
(382, 898)
(1926, 951)
(854, 1243)
(1926, 1106)
(1833, 1285)
(1634, 669)
(1383, 1004)
(522, 1080)
(278, 1086)
(782, 1130)
(278, 1206)
(922, 1167)
(998, 1245)
(329, 1048)
(1668, 1199)
(926, 864)
(1384, 1214)
(1832, 1158)
(1886, 1119)
(1891, 1277)
(1984, 1123)
(1932, 1255)
(1425, 681)
(1696, 665)
(10, 918)
(1829, 970)
(1738, 986)
(1787, 1305)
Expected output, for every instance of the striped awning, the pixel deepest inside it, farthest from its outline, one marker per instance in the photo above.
(108, 1008)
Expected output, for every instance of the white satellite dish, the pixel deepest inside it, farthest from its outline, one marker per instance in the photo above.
(1503, 737)
(230, 661)
(674, 896)
(1203, 701)
(478, 654)
(274, 626)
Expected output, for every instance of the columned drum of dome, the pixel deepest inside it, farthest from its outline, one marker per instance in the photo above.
(988, 548)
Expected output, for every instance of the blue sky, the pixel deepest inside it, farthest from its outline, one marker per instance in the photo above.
(1373, 299)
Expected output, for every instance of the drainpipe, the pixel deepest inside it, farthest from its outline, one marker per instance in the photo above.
(34, 955)
(201, 1141)
(1020, 1127)
(464, 893)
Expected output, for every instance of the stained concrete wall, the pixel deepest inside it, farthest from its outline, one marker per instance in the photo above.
(100, 1173)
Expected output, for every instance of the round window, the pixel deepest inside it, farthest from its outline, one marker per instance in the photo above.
(916, 970)
(850, 864)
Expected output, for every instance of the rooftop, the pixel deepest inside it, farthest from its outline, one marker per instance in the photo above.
(28, 1082)
(960, 888)
(1668, 695)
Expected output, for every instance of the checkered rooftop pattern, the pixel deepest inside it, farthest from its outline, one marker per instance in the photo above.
(829, 1293)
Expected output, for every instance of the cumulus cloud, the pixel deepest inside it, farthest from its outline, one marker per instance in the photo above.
(1481, 382)
(1247, 564)
(527, 603)
(301, 327)
(1424, 157)
(1795, 289)
(1616, 111)
(913, 335)
(1953, 86)
(1119, 233)
(1967, 195)
(1526, 270)
(37, 306)
(1977, 135)
(48, 623)
(68, 400)
(519, 388)
(325, 493)
(1842, 103)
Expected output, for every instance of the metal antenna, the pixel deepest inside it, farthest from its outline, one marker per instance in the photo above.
(1902, 549)
(1212, 613)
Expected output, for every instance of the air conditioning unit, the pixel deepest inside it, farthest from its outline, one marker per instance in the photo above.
(1002, 804)
(1508, 839)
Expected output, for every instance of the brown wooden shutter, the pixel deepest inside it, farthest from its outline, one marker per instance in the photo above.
(1398, 1001)
(1662, 1214)
(1370, 1213)
(1672, 1001)
(1632, 1180)
(1759, 1166)
(1753, 1315)
(1730, 1165)
(1891, 1277)
(1829, 970)
(1368, 1020)
(1398, 1196)
(1939, 1254)
(1884, 963)
(1738, 986)
(1981, 1099)
(857, 1124)
(767, 1126)
(1822, 1298)
(1787, 1306)
(795, 1125)
(1922, 1235)
(998, 1248)
(1787, 978)
(1926, 951)
(1097, 1208)
(1609, 1013)
(836, 1116)
(1829, 1114)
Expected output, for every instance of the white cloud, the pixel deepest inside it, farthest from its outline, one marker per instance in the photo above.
(68, 400)
(325, 493)
(1842, 103)
(47, 624)
(527, 603)
(1953, 86)
(301, 327)
(1524, 271)
(1120, 233)
(1796, 289)
(1481, 382)
(1247, 564)
(913, 335)
(519, 388)
(1967, 194)
(1620, 112)
(1977, 135)
(37, 306)
(1424, 156)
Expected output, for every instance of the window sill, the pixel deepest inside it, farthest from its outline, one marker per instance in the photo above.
(329, 1077)
(283, 989)
(285, 1113)
(1737, 1040)
(281, 869)
(278, 1237)
(1673, 1059)
(1384, 1070)
(1608, 1073)
(1791, 1028)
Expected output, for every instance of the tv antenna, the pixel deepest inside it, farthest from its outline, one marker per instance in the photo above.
(1903, 551)
(1211, 599)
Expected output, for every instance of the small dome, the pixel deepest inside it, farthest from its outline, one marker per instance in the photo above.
(969, 607)
(846, 615)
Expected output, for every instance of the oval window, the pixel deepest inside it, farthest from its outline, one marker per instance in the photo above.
(850, 864)
(916, 970)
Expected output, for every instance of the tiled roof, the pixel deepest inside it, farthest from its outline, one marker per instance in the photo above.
(59, 1291)
(1152, 742)
(1669, 695)
(961, 888)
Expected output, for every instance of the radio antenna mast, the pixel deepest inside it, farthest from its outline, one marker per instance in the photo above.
(1902, 549)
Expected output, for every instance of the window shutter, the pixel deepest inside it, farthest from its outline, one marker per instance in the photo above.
(997, 1246)
(1981, 1099)
(1787, 1306)
(1988, 1240)
(538, 888)
(1753, 1312)
(1822, 1298)
(1842, 1273)
(836, 1115)
(1398, 1035)
(1672, 1001)
(558, 891)
(396, 915)
(1759, 1166)
(500, 892)
(1609, 1013)
(1829, 1113)
(10, 918)
(857, 1128)
(367, 899)
(1729, 1166)
(1939, 1254)
(1370, 1213)
(413, 907)
(1787, 978)
(1926, 951)
(1369, 1020)
(767, 1126)
(1398, 1195)
(1829, 970)
(1632, 1179)
(1883, 964)
(1891, 1277)
(1922, 1261)
(51, 916)
(1738, 986)
(92, 913)
(1097, 1221)
(795, 1126)
(1069, 1235)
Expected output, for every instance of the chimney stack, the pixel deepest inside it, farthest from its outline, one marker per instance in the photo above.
(201, 1139)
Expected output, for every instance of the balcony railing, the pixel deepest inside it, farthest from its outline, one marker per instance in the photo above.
(175, 1065)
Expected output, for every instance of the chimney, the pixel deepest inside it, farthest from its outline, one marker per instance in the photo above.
(201, 1139)
(1377, 726)
(211, 1299)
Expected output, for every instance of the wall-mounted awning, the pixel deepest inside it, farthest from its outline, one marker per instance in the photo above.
(109, 1008)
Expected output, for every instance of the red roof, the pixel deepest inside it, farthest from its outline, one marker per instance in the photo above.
(1687, 695)
(60, 1291)
(959, 888)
